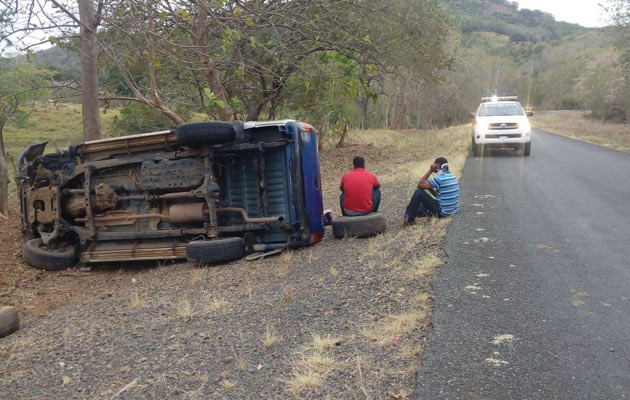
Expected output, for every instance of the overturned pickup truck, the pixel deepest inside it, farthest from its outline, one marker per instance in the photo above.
(208, 191)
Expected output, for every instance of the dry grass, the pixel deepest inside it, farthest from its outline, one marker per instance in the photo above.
(320, 363)
(394, 326)
(322, 343)
(334, 272)
(215, 305)
(376, 247)
(197, 276)
(422, 300)
(227, 384)
(270, 337)
(302, 381)
(136, 302)
(288, 293)
(576, 125)
(183, 308)
(423, 266)
(413, 352)
(450, 143)
(288, 256)
(312, 364)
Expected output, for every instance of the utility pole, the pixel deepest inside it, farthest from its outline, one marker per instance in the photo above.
(529, 88)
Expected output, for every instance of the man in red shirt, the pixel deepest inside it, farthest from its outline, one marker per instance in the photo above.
(360, 192)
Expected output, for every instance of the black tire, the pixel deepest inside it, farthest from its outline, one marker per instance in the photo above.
(361, 226)
(215, 251)
(50, 259)
(476, 149)
(9, 321)
(205, 133)
(527, 150)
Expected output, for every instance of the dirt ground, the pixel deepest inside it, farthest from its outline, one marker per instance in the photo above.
(341, 319)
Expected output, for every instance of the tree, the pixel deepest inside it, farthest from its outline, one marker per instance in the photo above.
(619, 12)
(236, 57)
(18, 85)
(89, 19)
(61, 19)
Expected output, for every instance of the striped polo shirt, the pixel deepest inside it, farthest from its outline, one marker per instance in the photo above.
(447, 189)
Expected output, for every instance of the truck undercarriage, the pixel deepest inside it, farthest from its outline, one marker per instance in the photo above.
(147, 196)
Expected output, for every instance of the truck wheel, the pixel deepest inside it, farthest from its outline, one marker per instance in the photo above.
(476, 149)
(215, 251)
(527, 150)
(9, 321)
(46, 258)
(205, 133)
(361, 226)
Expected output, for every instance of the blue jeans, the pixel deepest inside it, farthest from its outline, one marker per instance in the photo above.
(376, 202)
(422, 204)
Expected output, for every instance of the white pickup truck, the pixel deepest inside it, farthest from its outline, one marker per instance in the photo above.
(501, 122)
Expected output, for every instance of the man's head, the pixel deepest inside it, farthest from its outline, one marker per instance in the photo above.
(441, 161)
(358, 162)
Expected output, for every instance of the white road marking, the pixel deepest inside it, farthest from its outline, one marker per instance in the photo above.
(500, 339)
(496, 362)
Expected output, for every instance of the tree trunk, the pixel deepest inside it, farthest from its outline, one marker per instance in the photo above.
(254, 109)
(4, 177)
(323, 130)
(4, 187)
(212, 75)
(363, 106)
(344, 133)
(89, 71)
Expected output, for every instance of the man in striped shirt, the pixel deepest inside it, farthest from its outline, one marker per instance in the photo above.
(443, 186)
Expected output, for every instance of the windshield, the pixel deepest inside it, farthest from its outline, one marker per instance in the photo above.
(500, 109)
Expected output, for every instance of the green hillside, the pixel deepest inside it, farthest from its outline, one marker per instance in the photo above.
(526, 53)
(504, 17)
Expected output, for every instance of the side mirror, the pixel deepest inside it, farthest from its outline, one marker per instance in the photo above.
(529, 113)
(472, 115)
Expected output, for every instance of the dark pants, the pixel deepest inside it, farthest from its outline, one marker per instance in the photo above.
(422, 204)
(376, 202)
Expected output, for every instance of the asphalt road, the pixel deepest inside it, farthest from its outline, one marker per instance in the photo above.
(534, 302)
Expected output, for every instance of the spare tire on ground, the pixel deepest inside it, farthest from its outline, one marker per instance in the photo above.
(215, 251)
(360, 226)
(9, 321)
(205, 133)
(46, 258)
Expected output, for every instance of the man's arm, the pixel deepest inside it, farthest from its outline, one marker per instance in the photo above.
(377, 184)
(424, 184)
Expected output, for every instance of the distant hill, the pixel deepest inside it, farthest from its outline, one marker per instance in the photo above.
(526, 53)
(503, 17)
(64, 62)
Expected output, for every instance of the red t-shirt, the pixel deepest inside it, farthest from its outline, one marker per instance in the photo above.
(357, 186)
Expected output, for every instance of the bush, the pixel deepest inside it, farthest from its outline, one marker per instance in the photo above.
(140, 118)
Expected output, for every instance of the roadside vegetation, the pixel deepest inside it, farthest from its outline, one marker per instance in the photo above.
(582, 126)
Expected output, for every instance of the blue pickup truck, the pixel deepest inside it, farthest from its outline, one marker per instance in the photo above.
(209, 191)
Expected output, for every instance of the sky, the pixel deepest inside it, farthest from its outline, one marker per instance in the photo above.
(584, 12)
